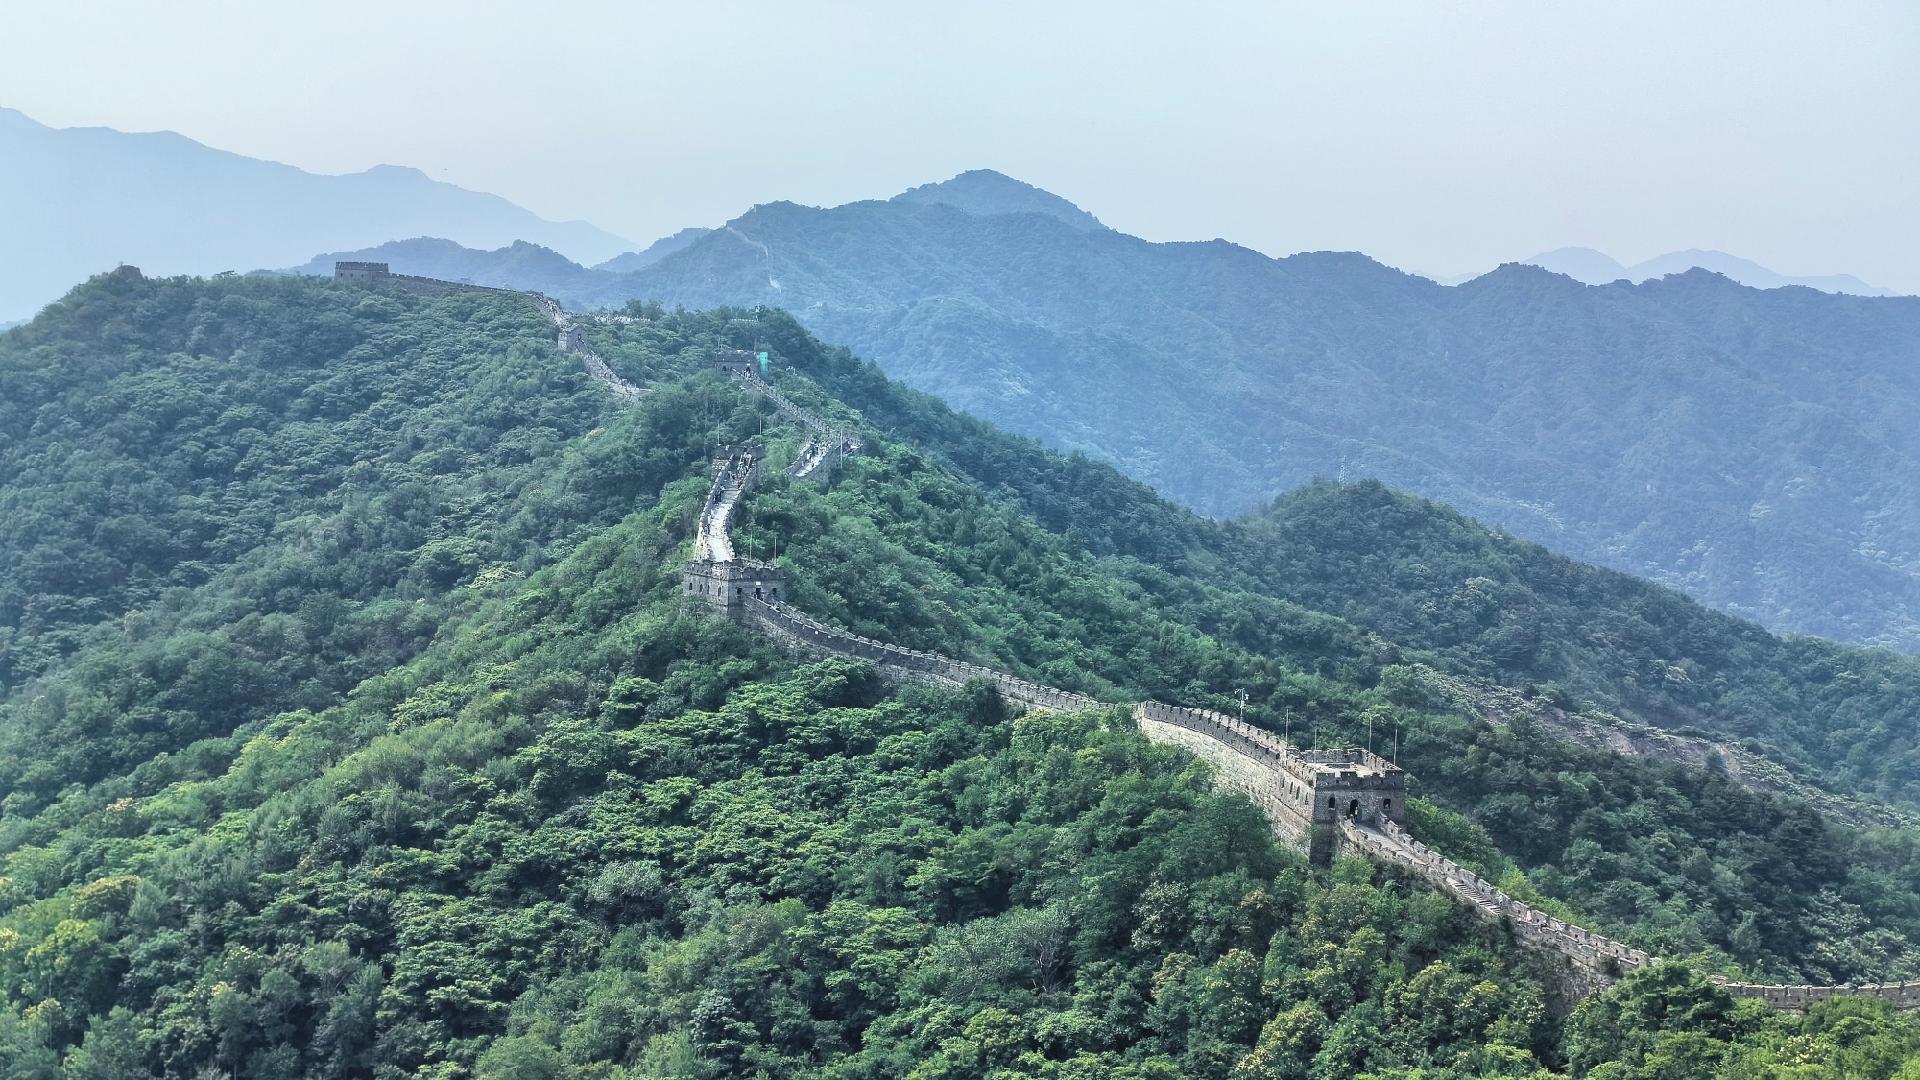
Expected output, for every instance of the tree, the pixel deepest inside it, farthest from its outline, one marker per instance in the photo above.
(111, 1050)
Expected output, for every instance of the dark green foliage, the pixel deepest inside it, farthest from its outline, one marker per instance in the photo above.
(528, 816)
(1431, 579)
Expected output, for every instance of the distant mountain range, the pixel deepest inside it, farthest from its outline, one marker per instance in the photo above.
(627, 262)
(1599, 268)
(1755, 448)
(76, 201)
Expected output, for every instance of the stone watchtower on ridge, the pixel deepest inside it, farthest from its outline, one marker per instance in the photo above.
(1351, 783)
(730, 586)
(1308, 795)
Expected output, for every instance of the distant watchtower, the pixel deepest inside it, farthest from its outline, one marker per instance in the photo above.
(734, 361)
(360, 271)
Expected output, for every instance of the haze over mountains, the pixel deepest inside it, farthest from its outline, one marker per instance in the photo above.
(1599, 268)
(1754, 448)
(76, 201)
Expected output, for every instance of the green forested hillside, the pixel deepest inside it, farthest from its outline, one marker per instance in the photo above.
(428, 773)
(1469, 599)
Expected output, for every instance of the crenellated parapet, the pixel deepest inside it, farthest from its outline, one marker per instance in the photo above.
(736, 471)
(806, 634)
(826, 443)
(729, 588)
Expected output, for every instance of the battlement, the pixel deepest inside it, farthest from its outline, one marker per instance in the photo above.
(360, 271)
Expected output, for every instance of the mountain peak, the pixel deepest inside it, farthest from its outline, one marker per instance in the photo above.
(631, 261)
(1581, 264)
(986, 193)
(396, 172)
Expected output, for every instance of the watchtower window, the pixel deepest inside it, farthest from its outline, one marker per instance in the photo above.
(1331, 803)
(1353, 808)
(1386, 806)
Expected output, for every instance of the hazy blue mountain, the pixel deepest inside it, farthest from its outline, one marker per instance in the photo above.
(1580, 264)
(1598, 268)
(983, 192)
(629, 261)
(76, 201)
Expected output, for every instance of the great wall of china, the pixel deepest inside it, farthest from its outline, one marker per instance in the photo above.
(1324, 802)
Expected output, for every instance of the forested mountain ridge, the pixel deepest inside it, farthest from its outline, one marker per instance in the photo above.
(568, 828)
(1751, 448)
(1475, 601)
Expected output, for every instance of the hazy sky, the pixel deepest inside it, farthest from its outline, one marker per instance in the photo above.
(1442, 137)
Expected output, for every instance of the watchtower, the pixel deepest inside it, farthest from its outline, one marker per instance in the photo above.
(735, 361)
(729, 587)
(1352, 784)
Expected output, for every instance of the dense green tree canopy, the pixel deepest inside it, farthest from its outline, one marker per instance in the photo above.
(428, 772)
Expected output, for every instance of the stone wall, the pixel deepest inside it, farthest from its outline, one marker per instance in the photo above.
(739, 473)
(817, 458)
(842, 442)
(573, 340)
(1273, 792)
(1307, 793)
(1577, 961)
(815, 637)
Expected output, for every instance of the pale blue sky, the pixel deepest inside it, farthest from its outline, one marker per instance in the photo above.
(1443, 137)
